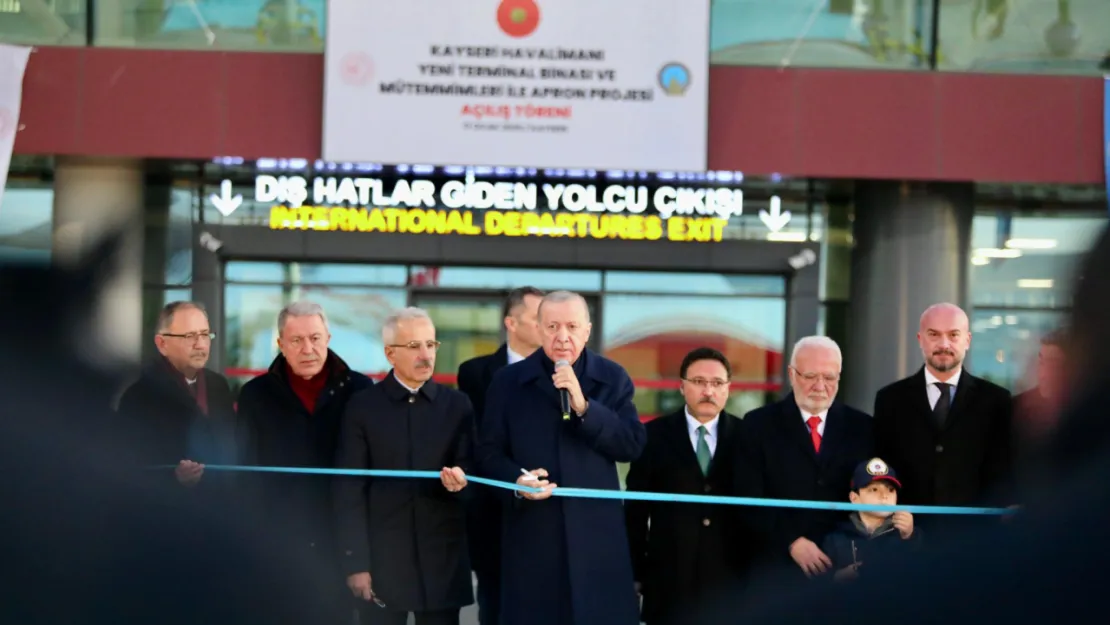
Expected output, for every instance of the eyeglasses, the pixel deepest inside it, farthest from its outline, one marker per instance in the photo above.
(431, 345)
(810, 378)
(193, 337)
(710, 384)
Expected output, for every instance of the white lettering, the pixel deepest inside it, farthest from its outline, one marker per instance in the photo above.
(292, 190)
(424, 192)
(481, 195)
(553, 193)
(663, 200)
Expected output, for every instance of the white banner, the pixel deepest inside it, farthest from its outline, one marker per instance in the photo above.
(575, 84)
(13, 64)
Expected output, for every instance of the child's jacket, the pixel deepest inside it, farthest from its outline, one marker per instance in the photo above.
(851, 542)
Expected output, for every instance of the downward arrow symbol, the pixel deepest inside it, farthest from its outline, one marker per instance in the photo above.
(225, 202)
(775, 219)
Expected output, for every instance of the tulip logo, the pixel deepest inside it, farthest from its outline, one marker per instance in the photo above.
(518, 18)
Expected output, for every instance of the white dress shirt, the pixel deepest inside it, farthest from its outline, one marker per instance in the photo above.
(407, 387)
(513, 356)
(933, 391)
(692, 426)
(823, 415)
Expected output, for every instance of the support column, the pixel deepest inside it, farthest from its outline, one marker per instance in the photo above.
(94, 197)
(208, 289)
(912, 246)
(802, 304)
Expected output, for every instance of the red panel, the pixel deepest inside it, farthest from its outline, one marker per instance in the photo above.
(274, 106)
(51, 101)
(853, 121)
(751, 120)
(800, 122)
(994, 124)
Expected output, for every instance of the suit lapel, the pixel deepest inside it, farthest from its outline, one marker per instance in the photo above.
(834, 432)
(725, 430)
(679, 436)
(494, 363)
(921, 392)
(794, 428)
(964, 390)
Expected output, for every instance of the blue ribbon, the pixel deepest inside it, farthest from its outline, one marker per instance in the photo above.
(626, 495)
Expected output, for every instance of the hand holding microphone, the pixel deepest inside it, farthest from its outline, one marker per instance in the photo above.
(570, 392)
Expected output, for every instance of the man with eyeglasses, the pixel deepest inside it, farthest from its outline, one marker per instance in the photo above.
(804, 447)
(293, 413)
(403, 541)
(179, 412)
(683, 559)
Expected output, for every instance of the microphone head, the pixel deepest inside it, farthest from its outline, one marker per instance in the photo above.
(561, 363)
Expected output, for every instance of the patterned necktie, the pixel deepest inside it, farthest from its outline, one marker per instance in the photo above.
(814, 435)
(944, 404)
(704, 457)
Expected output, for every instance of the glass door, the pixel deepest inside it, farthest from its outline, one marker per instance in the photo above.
(467, 325)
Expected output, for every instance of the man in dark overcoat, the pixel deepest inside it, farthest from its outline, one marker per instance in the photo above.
(565, 560)
(522, 338)
(404, 540)
(293, 412)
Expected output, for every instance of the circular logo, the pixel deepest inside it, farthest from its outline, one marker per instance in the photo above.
(674, 78)
(877, 467)
(518, 18)
(356, 68)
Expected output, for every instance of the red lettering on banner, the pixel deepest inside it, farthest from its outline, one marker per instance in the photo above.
(482, 111)
(552, 112)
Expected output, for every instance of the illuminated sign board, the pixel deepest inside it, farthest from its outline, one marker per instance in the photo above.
(498, 208)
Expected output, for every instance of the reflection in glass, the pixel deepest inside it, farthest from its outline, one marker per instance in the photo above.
(26, 226)
(45, 22)
(700, 283)
(1025, 36)
(504, 279)
(1004, 344)
(650, 334)
(467, 327)
(833, 33)
(255, 25)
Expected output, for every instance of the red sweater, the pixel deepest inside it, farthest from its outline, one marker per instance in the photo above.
(308, 391)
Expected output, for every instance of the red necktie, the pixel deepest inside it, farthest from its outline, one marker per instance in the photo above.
(813, 422)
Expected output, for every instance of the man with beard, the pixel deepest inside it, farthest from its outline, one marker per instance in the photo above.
(293, 412)
(946, 432)
(178, 412)
(569, 562)
(683, 558)
(805, 447)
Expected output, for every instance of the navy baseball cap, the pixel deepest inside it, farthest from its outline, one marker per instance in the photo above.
(873, 469)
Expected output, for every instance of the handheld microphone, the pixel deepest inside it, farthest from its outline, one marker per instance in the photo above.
(564, 395)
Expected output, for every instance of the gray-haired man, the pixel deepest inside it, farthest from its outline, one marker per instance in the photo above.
(293, 413)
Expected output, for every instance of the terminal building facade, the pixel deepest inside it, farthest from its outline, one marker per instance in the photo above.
(845, 194)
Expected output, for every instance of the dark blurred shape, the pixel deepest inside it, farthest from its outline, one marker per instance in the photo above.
(1045, 564)
(90, 539)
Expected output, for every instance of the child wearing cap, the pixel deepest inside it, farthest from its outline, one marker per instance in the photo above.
(865, 535)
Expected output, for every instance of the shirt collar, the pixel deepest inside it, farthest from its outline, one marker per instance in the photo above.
(931, 379)
(405, 386)
(513, 356)
(693, 424)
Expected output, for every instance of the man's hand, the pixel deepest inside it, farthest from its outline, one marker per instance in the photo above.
(188, 472)
(525, 480)
(359, 583)
(564, 378)
(903, 522)
(453, 479)
(848, 573)
(809, 557)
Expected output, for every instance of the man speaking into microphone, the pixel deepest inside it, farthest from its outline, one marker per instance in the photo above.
(563, 416)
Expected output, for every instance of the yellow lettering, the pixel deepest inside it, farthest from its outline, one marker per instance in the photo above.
(493, 223)
(653, 228)
(512, 225)
(676, 229)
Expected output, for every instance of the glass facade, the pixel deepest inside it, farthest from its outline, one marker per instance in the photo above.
(1017, 36)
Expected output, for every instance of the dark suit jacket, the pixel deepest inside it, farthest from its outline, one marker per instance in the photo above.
(957, 465)
(687, 557)
(484, 508)
(407, 533)
(777, 461)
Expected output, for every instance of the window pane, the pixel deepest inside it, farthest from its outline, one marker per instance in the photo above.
(168, 235)
(699, 283)
(505, 278)
(1043, 255)
(650, 335)
(254, 25)
(336, 273)
(52, 23)
(1025, 36)
(247, 271)
(355, 316)
(1004, 344)
(27, 222)
(466, 328)
(836, 33)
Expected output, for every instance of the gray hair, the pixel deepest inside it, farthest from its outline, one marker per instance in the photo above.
(165, 316)
(389, 326)
(811, 342)
(300, 309)
(558, 297)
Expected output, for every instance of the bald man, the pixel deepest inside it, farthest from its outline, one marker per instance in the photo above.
(945, 431)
